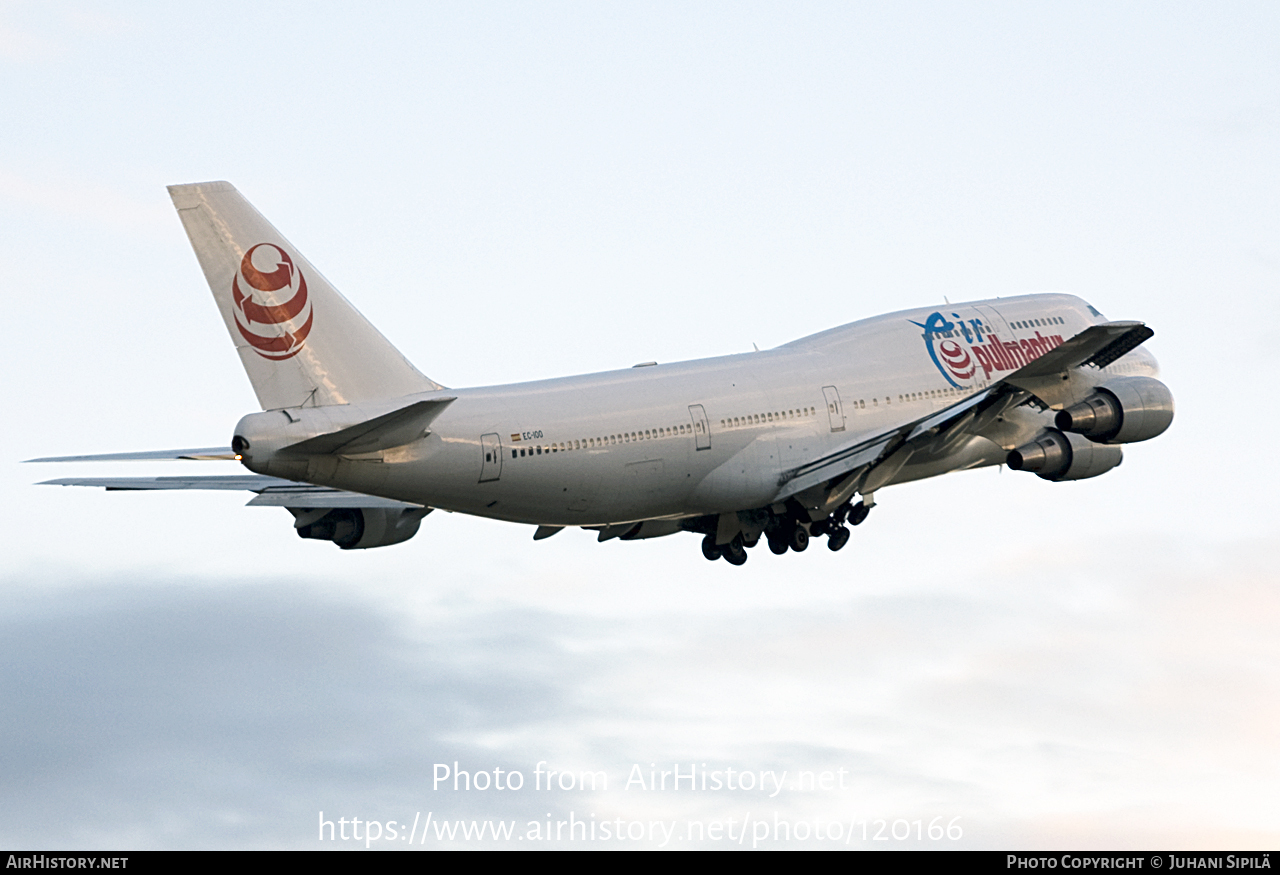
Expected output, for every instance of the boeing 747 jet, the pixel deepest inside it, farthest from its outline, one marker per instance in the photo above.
(782, 445)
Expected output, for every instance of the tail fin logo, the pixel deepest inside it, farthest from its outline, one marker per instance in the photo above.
(276, 301)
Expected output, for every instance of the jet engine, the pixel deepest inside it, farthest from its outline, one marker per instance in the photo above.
(358, 528)
(1121, 411)
(1055, 456)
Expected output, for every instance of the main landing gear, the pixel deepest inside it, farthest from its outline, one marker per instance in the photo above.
(785, 533)
(734, 552)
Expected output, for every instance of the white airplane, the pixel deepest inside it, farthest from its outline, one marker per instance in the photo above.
(359, 446)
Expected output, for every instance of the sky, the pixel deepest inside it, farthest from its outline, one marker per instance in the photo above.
(518, 191)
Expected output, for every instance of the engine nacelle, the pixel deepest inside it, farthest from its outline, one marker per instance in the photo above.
(358, 528)
(1121, 411)
(1056, 456)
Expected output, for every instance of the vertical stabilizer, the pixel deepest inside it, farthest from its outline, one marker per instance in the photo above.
(300, 341)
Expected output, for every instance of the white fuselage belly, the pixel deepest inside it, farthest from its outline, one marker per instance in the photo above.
(624, 445)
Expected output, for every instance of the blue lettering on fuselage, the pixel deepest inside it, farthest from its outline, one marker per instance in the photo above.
(933, 327)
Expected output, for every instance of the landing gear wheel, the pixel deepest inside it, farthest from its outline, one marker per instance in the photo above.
(838, 538)
(858, 514)
(778, 546)
(734, 552)
(709, 548)
(799, 539)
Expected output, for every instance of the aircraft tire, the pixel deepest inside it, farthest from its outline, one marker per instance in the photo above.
(709, 548)
(734, 552)
(799, 540)
(858, 514)
(778, 546)
(838, 538)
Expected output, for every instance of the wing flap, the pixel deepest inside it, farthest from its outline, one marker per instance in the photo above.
(834, 465)
(317, 497)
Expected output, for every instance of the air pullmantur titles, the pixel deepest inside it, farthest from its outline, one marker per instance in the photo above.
(684, 777)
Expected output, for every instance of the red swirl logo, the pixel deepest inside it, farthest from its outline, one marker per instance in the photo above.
(269, 273)
(956, 359)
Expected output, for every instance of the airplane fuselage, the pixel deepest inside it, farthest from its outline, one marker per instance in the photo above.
(714, 435)
(358, 445)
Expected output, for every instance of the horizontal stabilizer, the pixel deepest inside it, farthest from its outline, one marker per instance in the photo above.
(251, 482)
(203, 454)
(272, 491)
(392, 429)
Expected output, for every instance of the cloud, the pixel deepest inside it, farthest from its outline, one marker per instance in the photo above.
(1128, 705)
(164, 715)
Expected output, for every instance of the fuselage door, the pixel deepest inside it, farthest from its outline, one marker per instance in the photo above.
(491, 467)
(834, 410)
(701, 428)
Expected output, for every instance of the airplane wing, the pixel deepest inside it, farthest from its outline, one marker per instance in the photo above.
(271, 491)
(1096, 346)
